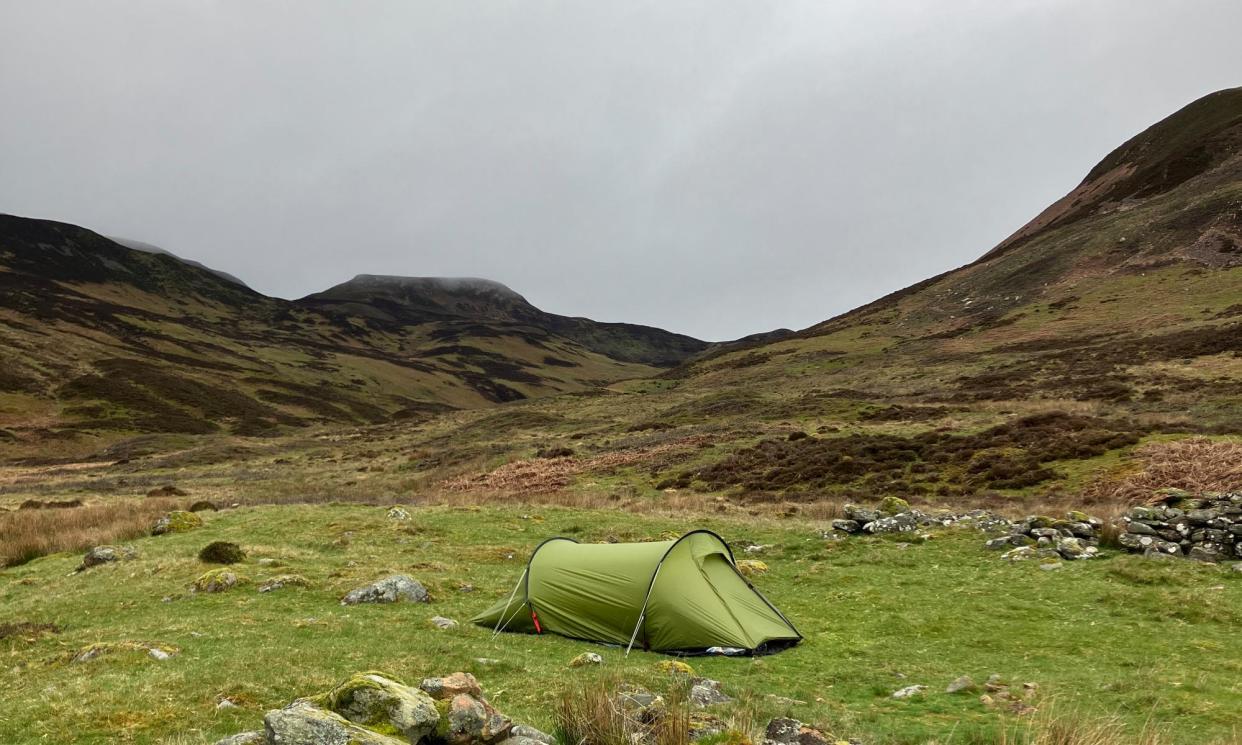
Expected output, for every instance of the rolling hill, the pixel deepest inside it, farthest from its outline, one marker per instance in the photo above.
(100, 339)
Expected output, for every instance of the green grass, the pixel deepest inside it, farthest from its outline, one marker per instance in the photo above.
(1114, 636)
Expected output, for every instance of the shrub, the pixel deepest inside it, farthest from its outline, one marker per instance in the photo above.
(221, 552)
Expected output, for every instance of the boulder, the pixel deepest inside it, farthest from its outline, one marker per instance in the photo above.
(177, 521)
(105, 555)
(216, 580)
(443, 689)
(894, 506)
(860, 515)
(784, 731)
(846, 526)
(467, 720)
(395, 589)
(374, 700)
(303, 723)
(903, 523)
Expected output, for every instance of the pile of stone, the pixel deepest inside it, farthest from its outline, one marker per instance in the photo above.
(1207, 527)
(1076, 536)
(374, 709)
(894, 515)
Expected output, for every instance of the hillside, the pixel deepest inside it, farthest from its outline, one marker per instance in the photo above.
(101, 341)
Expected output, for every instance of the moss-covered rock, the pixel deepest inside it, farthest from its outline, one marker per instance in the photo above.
(751, 567)
(585, 659)
(282, 581)
(894, 506)
(221, 552)
(216, 580)
(674, 667)
(384, 704)
(304, 723)
(177, 521)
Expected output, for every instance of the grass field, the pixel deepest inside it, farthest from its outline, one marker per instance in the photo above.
(1151, 643)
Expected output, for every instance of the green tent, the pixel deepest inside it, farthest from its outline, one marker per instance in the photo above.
(684, 596)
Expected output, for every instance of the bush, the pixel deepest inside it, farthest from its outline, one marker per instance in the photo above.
(221, 552)
(203, 505)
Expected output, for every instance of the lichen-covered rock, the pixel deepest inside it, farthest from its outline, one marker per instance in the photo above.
(395, 589)
(784, 731)
(705, 692)
(586, 658)
(467, 720)
(303, 723)
(244, 738)
(909, 692)
(398, 513)
(442, 623)
(905, 522)
(751, 567)
(177, 521)
(216, 580)
(282, 581)
(528, 732)
(861, 515)
(376, 700)
(894, 506)
(846, 526)
(445, 688)
(105, 555)
(674, 667)
(222, 552)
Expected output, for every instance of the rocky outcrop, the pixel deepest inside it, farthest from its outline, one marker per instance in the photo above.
(1207, 527)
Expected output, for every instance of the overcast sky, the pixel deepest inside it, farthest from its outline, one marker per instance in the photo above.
(716, 168)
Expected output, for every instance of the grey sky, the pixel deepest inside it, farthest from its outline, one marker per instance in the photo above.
(715, 168)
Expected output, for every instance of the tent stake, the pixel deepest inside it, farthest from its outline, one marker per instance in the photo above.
(496, 631)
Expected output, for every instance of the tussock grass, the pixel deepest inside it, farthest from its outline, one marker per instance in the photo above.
(29, 534)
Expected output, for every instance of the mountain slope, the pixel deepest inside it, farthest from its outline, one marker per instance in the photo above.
(99, 339)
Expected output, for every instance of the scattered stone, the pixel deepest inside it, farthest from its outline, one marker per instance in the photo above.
(375, 700)
(751, 567)
(705, 692)
(909, 692)
(394, 589)
(962, 684)
(586, 658)
(303, 723)
(105, 555)
(283, 581)
(177, 521)
(440, 622)
(398, 513)
(216, 580)
(785, 731)
(221, 552)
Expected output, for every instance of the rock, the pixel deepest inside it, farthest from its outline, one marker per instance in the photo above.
(962, 684)
(1205, 552)
(894, 506)
(674, 667)
(1051, 566)
(751, 567)
(1236, 567)
(398, 513)
(640, 704)
(216, 580)
(283, 581)
(244, 738)
(586, 658)
(846, 526)
(530, 733)
(701, 725)
(221, 552)
(395, 589)
(784, 731)
(472, 721)
(156, 653)
(756, 548)
(443, 689)
(705, 692)
(903, 523)
(1074, 548)
(909, 692)
(860, 515)
(373, 699)
(177, 521)
(303, 723)
(1139, 528)
(440, 622)
(1009, 541)
(1021, 553)
(99, 649)
(105, 555)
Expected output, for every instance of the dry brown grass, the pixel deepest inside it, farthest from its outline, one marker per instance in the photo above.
(1054, 726)
(590, 713)
(1196, 464)
(29, 534)
(542, 475)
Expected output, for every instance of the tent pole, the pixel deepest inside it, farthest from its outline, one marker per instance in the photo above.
(496, 631)
(643, 613)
